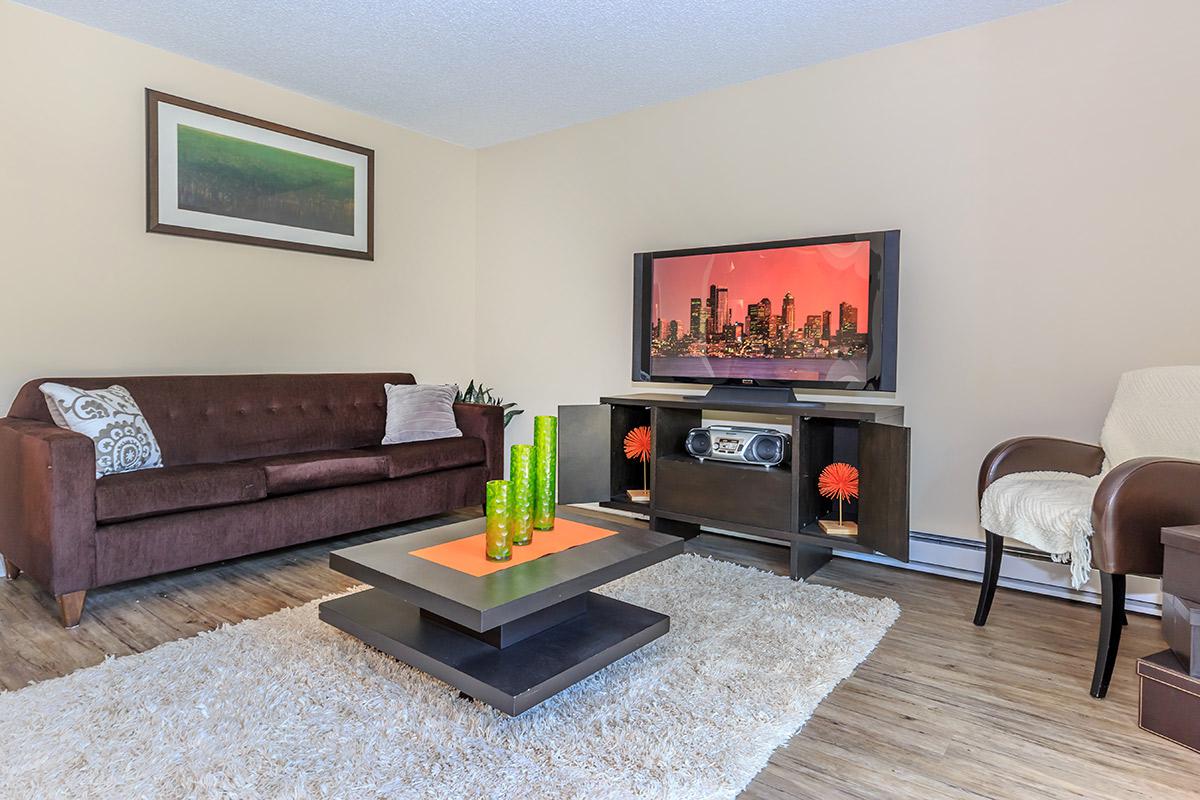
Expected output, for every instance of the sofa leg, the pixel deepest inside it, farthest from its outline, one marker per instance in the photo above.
(71, 606)
(991, 576)
(11, 570)
(1112, 608)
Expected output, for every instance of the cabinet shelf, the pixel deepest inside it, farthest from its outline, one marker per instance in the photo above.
(715, 463)
(812, 534)
(623, 503)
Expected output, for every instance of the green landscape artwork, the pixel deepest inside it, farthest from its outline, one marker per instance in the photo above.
(221, 174)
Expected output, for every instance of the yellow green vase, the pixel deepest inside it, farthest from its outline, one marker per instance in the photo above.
(545, 466)
(498, 509)
(520, 475)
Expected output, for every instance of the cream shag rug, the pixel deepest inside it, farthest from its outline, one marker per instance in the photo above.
(288, 707)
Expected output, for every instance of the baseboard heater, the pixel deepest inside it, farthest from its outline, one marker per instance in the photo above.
(1022, 569)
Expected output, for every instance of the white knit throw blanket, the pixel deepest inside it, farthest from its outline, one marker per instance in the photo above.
(1051, 511)
(1156, 412)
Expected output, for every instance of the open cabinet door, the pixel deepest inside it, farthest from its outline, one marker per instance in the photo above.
(584, 453)
(883, 452)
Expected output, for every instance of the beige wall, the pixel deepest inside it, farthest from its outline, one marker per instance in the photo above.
(1043, 169)
(85, 290)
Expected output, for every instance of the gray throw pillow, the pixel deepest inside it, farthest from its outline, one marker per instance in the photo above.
(417, 413)
(112, 420)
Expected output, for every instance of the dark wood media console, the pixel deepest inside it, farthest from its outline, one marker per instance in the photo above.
(777, 503)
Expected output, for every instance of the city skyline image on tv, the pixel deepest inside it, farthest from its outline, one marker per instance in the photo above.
(789, 313)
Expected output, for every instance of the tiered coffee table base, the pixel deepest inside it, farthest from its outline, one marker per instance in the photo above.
(512, 667)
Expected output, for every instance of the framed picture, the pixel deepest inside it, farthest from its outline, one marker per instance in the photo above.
(217, 174)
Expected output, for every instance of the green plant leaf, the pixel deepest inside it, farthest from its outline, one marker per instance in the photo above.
(477, 392)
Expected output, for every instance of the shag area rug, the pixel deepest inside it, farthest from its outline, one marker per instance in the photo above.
(289, 707)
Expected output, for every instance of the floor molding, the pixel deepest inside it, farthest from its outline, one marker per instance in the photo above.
(1023, 570)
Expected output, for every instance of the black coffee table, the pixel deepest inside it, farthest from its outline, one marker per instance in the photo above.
(515, 637)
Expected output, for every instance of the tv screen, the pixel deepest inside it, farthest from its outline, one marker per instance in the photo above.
(805, 313)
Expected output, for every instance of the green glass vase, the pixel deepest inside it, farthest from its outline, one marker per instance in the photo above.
(545, 465)
(520, 475)
(498, 508)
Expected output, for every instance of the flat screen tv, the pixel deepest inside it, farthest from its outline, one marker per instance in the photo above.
(814, 313)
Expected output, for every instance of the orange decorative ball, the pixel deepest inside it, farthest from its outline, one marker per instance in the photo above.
(637, 444)
(838, 481)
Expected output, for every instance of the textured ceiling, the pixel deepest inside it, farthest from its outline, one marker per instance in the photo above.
(479, 72)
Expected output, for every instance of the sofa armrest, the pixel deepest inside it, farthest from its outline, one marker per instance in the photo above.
(1135, 501)
(1034, 453)
(48, 503)
(485, 422)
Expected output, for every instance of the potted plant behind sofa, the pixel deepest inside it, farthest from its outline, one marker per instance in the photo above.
(478, 393)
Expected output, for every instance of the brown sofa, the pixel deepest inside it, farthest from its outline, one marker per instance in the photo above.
(253, 462)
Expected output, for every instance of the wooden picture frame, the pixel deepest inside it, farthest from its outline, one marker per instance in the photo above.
(217, 174)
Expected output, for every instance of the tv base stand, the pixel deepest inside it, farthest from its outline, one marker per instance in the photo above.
(780, 503)
(751, 396)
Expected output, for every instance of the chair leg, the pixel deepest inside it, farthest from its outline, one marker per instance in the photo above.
(11, 570)
(1112, 606)
(991, 576)
(71, 606)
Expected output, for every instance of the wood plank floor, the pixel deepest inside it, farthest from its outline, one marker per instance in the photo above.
(941, 709)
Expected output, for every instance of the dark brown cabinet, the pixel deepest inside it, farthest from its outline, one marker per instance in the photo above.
(779, 503)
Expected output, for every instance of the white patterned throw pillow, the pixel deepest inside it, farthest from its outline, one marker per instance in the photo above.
(111, 418)
(417, 413)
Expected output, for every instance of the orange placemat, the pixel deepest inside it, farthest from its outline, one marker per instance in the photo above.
(467, 554)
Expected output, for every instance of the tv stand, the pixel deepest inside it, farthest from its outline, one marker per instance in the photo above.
(780, 503)
(751, 395)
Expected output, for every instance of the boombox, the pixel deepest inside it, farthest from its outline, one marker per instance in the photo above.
(763, 446)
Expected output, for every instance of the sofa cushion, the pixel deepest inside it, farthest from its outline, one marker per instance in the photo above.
(418, 413)
(431, 455)
(321, 469)
(148, 493)
(113, 421)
